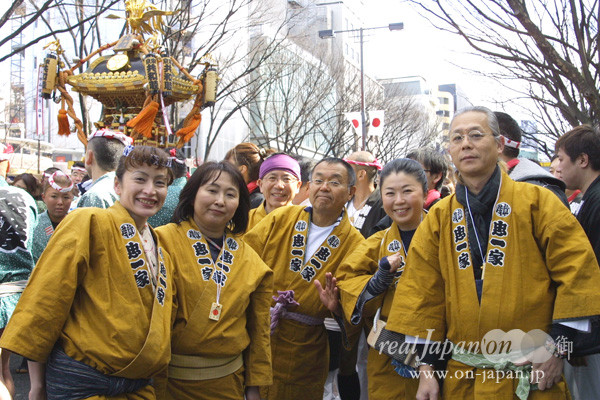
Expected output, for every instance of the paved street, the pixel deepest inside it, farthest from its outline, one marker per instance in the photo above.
(21, 380)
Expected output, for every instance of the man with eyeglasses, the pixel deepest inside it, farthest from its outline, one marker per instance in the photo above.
(364, 210)
(497, 255)
(301, 244)
(279, 182)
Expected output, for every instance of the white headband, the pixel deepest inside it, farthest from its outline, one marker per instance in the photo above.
(107, 133)
(511, 143)
(56, 186)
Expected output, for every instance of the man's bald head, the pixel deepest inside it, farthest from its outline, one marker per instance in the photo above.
(363, 157)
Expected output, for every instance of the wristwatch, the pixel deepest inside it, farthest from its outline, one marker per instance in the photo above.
(420, 362)
(556, 348)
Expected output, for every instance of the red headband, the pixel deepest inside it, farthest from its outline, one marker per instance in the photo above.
(375, 163)
(56, 186)
(173, 153)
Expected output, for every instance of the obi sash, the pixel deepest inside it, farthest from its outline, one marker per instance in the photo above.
(196, 368)
(501, 363)
(69, 379)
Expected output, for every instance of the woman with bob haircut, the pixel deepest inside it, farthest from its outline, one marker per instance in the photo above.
(97, 309)
(220, 339)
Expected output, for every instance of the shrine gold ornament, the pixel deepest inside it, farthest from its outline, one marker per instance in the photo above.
(135, 83)
(117, 62)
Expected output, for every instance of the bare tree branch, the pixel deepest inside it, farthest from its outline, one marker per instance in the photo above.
(13, 7)
(554, 46)
(53, 32)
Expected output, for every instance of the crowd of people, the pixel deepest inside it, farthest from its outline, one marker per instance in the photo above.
(272, 276)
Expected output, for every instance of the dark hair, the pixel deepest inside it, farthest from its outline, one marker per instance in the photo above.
(582, 139)
(306, 166)
(79, 164)
(432, 161)
(209, 172)
(554, 157)
(335, 160)
(409, 167)
(179, 168)
(251, 156)
(141, 155)
(106, 152)
(51, 170)
(31, 183)
(445, 191)
(510, 129)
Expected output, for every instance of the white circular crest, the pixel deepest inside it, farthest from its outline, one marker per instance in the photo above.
(194, 234)
(127, 231)
(458, 215)
(503, 210)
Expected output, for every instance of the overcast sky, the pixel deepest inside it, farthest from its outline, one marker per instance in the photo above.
(421, 49)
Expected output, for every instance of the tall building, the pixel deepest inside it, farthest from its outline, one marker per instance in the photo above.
(319, 78)
(424, 98)
(460, 98)
(445, 110)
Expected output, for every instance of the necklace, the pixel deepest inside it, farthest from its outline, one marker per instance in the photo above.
(474, 227)
(216, 307)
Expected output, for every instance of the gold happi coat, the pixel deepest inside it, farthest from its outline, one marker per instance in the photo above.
(93, 294)
(300, 351)
(352, 277)
(540, 269)
(243, 326)
(256, 215)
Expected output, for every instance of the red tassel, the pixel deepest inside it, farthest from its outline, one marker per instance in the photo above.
(144, 121)
(63, 123)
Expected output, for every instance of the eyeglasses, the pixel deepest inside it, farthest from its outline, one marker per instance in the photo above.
(474, 136)
(321, 182)
(287, 180)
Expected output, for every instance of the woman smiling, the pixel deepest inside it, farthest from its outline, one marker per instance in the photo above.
(98, 304)
(220, 344)
(367, 278)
